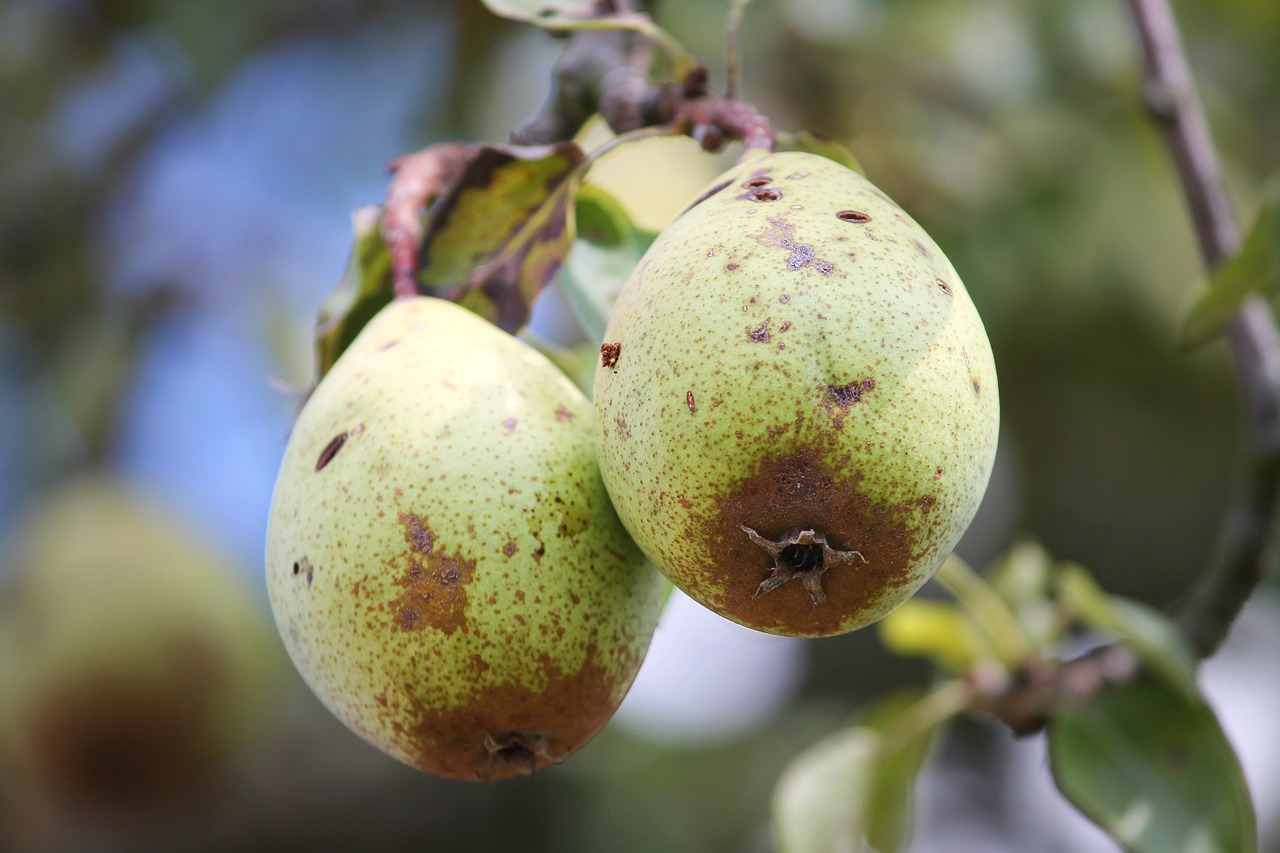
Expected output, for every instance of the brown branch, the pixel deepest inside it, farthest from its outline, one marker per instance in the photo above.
(1217, 599)
(1212, 605)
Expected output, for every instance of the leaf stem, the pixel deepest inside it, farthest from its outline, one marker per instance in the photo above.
(1228, 582)
(1007, 637)
(733, 47)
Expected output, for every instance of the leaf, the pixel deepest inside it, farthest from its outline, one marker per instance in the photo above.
(937, 630)
(1154, 770)
(857, 783)
(364, 289)
(553, 14)
(503, 230)
(607, 251)
(1151, 634)
(1254, 269)
(1022, 578)
(817, 143)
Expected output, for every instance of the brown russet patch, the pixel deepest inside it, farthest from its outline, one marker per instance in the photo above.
(786, 496)
(434, 583)
(509, 729)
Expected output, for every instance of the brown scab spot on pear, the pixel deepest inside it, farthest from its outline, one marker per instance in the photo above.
(688, 400)
(784, 497)
(434, 583)
(509, 729)
(943, 286)
(846, 395)
(609, 353)
(760, 335)
(509, 425)
(564, 415)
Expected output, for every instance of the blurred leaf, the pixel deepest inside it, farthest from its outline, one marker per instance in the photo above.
(1154, 770)
(503, 230)
(1022, 578)
(936, 630)
(607, 250)
(1152, 635)
(855, 786)
(364, 289)
(1254, 269)
(555, 14)
(817, 143)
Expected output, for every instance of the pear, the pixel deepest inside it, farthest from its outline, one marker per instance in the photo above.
(443, 561)
(136, 664)
(796, 405)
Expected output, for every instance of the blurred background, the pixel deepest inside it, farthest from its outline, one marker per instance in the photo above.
(176, 184)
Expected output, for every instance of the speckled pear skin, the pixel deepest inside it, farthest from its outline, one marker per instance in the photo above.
(802, 415)
(443, 562)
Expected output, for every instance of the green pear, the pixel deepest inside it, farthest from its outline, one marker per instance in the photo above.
(795, 386)
(136, 665)
(442, 558)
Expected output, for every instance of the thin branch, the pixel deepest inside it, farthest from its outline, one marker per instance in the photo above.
(1255, 343)
(733, 47)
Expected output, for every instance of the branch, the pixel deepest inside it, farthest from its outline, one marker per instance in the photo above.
(1218, 597)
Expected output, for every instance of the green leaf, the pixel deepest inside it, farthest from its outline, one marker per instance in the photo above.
(1254, 269)
(1022, 578)
(817, 143)
(855, 786)
(1154, 770)
(607, 251)
(363, 291)
(553, 14)
(503, 230)
(1151, 634)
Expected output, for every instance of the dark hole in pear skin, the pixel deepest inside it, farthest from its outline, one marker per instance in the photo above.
(331, 450)
(853, 216)
(801, 558)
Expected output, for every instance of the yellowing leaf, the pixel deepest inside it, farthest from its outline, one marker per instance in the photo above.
(502, 231)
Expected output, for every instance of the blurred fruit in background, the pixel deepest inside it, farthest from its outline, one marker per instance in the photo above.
(137, 665)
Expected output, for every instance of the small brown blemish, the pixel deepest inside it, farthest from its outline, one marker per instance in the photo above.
(785, 326)
(943, 286)
(563, 414)
(303, 566)
(331, 450)
(846, 395)
(509, 549)
(756, 182)
(824, 267)
(731, 267)
(801, 255)
(624, 431)
(937, 475)
(977, 387)
(760, 335)
(784, 299)
(388, 345)
(609, 353)
(509, 425)
(797, 176)
(853, 216)
(688, 399)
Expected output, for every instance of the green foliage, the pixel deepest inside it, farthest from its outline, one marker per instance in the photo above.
(820, 144)
(364, 289)
(1152, 767)
(607, 249)
(1254, 269)
(855, 787)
